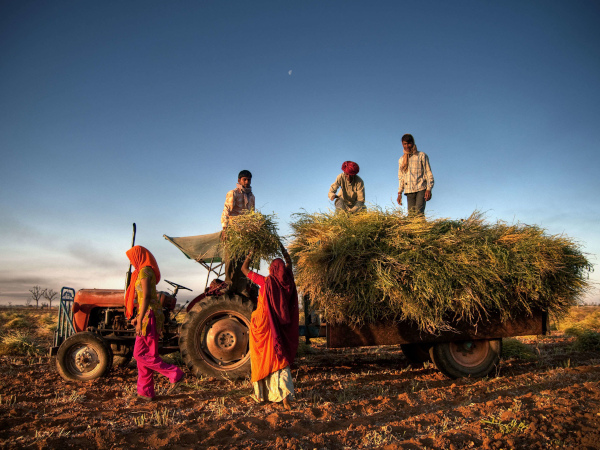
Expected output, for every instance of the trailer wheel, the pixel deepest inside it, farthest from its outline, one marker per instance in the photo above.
(214, 338)
(467, 358)
(417, 354)
(83, 356)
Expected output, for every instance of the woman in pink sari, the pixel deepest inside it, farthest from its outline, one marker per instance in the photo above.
(148, 323)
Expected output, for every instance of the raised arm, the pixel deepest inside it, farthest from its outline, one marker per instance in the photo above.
(286, 256)
(246, 266)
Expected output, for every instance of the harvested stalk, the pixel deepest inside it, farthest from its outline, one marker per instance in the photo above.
(252, 231)
(378, 265)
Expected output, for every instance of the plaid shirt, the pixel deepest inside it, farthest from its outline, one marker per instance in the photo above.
(418, 176)
(235, 204)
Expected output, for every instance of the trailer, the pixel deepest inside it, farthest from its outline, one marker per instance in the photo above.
(466, 351)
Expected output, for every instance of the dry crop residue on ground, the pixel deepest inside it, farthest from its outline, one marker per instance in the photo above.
(351, 398)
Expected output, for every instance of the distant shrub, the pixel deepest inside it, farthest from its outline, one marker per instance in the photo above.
(576, 322)
(17, 322)
(515, 349)
(574, 330)
(588, 340)
(47, 319)
(18, 343)
(592, 321)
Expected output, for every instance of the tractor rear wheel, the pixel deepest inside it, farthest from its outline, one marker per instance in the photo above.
(215, 337)
(477, 358)
(83, 356)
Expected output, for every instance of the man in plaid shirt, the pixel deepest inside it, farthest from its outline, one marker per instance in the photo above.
(414, 176)
(237, 201)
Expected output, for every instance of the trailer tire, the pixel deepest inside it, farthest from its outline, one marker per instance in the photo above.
(83, 356)
(476, 358)
(417, 354)
(214, 338)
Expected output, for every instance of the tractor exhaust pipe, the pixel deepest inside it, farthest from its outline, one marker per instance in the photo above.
(128, 274)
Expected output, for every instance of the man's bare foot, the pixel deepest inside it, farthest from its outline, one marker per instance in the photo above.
(287, 404)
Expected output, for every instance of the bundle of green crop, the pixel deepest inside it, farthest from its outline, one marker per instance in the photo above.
(252, 231)
(378, 265)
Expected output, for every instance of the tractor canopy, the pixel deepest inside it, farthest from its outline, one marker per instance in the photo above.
(204, 248)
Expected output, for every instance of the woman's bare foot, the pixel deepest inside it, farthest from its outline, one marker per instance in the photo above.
(287, 404)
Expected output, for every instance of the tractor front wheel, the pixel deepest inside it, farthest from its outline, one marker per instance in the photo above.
(83, 356)
(215, 337)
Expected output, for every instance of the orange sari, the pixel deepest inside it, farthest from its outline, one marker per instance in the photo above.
(263, 358)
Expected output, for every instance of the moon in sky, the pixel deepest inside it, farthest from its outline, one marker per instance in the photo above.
(289, 72)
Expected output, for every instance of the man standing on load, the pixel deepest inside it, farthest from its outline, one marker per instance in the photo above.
(352, 198)
(414, 176)
(238, 201)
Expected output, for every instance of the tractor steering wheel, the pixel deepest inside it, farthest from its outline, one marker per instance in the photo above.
(177, 287)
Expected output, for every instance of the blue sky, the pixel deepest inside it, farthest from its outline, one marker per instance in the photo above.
(120, 112)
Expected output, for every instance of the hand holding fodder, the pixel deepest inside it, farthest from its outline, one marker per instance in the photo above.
(252, 232)
(380, 265)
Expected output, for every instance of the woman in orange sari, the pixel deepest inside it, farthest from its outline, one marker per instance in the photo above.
(148, 323)
(274, 331)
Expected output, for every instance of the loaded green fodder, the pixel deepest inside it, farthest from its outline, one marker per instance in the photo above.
(252, 231)
(384, 265)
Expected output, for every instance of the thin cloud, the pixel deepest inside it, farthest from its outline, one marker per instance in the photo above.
(86, 253)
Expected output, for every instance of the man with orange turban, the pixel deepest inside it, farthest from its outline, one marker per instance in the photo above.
(352, 195)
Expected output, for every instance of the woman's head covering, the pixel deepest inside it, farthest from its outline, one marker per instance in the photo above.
(279, 272)
(139, 257)
(282, 299)
(350, 168)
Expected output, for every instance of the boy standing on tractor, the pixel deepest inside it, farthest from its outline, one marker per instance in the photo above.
(237, 201)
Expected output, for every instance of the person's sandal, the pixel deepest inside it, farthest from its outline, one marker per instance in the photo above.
(175, 386)
(145, 398)
(287, 404)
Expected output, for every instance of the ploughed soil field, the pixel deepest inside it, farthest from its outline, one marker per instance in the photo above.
(345, 399)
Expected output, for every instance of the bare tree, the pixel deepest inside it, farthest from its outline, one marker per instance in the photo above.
(28, 301)
(50, 294)
(36, 294)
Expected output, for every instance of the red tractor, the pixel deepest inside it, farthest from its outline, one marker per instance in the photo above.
(93, 333)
